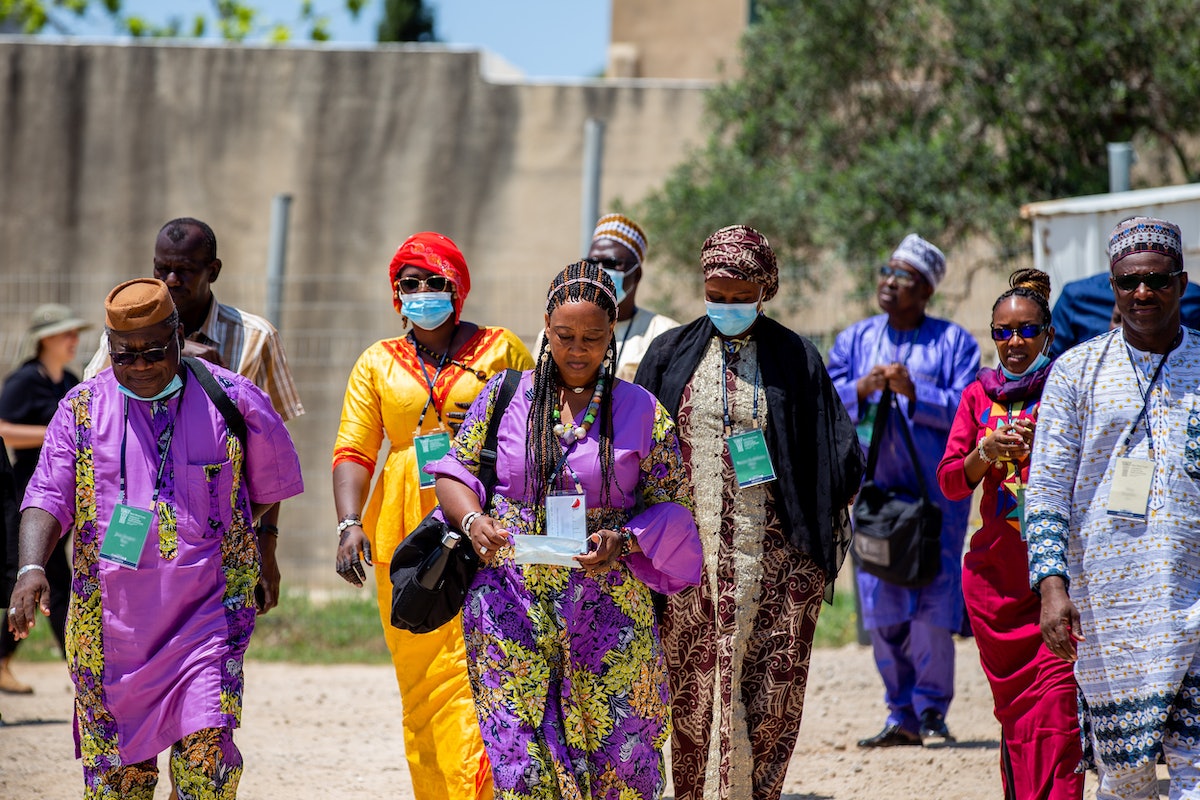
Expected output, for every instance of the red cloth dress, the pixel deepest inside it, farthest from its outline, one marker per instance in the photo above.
(1034, 690)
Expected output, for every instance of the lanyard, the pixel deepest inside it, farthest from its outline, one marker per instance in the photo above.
(430, 383)
(162, 457)
(725, 393)
(896, 357)
(1145, 398)
(562, 462)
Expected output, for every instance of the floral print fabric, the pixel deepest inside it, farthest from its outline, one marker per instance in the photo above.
(567, 670)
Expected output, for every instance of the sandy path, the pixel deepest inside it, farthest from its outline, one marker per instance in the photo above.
(334, 732)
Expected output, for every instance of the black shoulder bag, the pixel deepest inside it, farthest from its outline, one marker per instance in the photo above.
(432, 569)
(896, 538)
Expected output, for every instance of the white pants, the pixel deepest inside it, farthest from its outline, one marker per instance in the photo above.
(1183, 765)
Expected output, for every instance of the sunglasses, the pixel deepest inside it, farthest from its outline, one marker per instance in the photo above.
(1024, 331)
(434, 283)
(1155, 281)
(619, 264)
(903, 277)
(151, 355)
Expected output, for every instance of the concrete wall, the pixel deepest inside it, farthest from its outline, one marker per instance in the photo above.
(101, 144)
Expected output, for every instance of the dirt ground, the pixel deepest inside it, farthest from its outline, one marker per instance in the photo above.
(334, 732)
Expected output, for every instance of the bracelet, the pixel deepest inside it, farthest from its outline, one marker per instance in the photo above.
(982, 455)
(267, 527)
(348, 521)
(626, 542)
(30, 568)
(468, 520)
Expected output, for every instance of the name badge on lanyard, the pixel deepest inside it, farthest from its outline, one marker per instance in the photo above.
(566, 526)
(1129, 494)
(126, 535)
(430, 448)
(751, 461)
(747, 450)
(129, 527)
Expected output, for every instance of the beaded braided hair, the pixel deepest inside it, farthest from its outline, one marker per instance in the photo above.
(1032, 284)
(580, 282)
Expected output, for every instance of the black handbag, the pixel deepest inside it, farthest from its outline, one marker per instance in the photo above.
(896, 538)
(432, 569)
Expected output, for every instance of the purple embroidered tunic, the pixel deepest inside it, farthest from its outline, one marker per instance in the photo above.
(567, 670)
(156, 652)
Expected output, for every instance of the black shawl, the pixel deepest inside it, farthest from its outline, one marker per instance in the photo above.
(809, 435)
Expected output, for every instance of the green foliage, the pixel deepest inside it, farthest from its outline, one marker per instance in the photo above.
(235, 21)
(406, 21)
(857, 121)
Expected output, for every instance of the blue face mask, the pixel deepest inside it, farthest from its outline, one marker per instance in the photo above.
(174, 386)
(732, 319)
(618, 279)
(427, 310)
(1039, 362)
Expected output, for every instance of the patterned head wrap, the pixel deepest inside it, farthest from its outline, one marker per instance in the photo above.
(622, 230)
(1142, 235)
(137, 304)
(739, 251)
(439, 255)
(922, 256)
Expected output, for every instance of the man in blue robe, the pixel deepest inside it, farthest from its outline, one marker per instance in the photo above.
(926, 362)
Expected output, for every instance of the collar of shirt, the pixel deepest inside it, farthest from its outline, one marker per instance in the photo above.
(209, 328)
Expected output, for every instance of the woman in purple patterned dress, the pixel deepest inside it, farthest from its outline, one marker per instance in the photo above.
(591, 511)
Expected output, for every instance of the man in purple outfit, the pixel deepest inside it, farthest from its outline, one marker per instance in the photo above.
(162, 497)
(926, 362)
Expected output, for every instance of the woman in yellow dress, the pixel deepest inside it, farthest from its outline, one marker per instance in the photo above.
(406, 389)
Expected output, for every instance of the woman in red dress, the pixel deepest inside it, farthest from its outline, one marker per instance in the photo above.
(990, 440)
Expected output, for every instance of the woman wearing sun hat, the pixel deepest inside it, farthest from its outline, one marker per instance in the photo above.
(27, 403)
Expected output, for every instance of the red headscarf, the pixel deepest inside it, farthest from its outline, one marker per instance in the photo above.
(436, 253)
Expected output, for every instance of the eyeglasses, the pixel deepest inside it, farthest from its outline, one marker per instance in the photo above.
(619, 264)
(434, 283)
(151, 355)
(903, 277)
(1155, 281)
(1024, 331)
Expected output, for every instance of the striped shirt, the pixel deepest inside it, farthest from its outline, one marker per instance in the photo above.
(248, 344)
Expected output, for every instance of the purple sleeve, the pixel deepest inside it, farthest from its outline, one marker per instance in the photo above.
(671, 557)
(272, 465)
(52, 487)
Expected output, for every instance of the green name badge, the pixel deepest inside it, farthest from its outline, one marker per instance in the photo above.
(430, 448)
(126, 535)
(751, 461)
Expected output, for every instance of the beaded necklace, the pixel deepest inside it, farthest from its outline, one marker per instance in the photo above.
(479, 374)
(569, 433)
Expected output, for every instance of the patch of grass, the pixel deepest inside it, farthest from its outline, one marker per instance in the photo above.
(836, 625)
(300, 629)
(340, 630)
(41, 644)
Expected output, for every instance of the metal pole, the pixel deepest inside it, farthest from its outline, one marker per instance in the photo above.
(593, 160)
(281, 207)
(1120, 160)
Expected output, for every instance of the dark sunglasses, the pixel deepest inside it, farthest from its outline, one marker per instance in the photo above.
(1155, 281)
(151, 355)
(1024, 331)
(619, 264)
(903, 277)
(434, 283)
